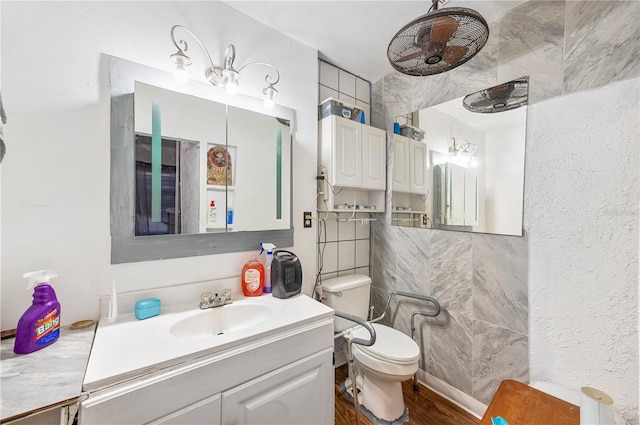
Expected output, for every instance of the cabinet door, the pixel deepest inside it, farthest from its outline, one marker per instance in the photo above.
(418, 179)
(347, 153)
(299, 393)
(401, 164)
(374, 158)
(206, 411)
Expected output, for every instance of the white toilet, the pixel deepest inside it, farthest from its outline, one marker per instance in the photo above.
(383, 366)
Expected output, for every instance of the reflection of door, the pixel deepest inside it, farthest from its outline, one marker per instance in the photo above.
(456, 195)
(471, 194)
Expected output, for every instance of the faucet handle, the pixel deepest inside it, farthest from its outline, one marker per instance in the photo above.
(226, 293)
(206, 298)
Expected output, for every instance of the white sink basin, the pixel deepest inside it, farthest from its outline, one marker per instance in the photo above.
(178, 335)
(221, 320)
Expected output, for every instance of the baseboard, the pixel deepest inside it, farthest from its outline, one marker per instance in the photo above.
(461, 399)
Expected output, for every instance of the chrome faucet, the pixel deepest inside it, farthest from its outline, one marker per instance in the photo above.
(210, 300)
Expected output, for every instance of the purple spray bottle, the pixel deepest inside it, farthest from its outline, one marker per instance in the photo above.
(39, 326)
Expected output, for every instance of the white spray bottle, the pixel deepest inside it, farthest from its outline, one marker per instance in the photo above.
(268, 247)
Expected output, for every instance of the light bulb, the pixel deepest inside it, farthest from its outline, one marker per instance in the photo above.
(232, 86)
(181, 73)
(269, 93)
(269, 103)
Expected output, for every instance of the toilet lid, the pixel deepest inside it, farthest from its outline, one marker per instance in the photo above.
(391, 345)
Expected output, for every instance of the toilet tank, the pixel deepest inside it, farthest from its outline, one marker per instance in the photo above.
(348, 294)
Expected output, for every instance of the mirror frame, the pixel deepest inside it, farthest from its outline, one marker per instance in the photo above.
(125, 246)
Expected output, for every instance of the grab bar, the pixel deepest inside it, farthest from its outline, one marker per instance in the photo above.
(364, 324)
(410, 295)
(360, 341)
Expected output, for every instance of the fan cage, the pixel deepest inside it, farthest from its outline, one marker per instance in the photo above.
(472, 33)
(492, 100)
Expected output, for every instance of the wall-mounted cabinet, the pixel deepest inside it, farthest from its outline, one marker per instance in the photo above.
(456, 200)
(352, 157)
(410, 183)
(409, 165)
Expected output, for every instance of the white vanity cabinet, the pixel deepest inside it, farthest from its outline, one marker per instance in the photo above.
(282, 378)
(409, 165)
(298, 393)
(353, 156)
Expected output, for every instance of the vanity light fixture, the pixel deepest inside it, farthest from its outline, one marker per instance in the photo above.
(466, 151)
(225, 76)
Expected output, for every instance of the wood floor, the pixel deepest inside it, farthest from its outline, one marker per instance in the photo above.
(425, 407)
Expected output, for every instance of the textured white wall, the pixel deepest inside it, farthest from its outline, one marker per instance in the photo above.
(55, 176)
(582, 193)
(505, 161)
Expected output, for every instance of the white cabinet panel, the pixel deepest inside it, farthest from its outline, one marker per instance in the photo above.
(374, 158)
(401, 164)
(299, 393)
(206, 411)
(348, 149)
(354, 157)
(409, 166)
(418, 179)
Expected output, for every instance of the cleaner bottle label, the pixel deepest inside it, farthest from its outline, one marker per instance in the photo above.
(47, 328)
(252, 279)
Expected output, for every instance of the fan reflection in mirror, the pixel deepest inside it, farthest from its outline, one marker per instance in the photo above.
(500, 98)
(474, 165)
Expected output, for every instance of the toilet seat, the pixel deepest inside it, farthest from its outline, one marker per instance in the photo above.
(391, 346)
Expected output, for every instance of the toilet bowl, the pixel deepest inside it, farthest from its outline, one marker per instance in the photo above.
(382, 366)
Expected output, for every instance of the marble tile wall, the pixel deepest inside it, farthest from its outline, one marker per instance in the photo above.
(481, 337)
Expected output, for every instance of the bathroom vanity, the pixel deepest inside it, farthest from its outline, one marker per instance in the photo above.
(259, 360)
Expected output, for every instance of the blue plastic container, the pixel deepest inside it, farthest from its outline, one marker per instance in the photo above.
(146, 308)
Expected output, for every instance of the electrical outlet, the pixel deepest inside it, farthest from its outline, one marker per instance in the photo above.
(307, 219)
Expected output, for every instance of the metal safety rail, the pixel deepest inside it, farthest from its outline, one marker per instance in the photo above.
(360, 341)
(425, 313)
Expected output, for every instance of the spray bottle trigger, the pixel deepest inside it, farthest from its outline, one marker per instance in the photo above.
(39, 276)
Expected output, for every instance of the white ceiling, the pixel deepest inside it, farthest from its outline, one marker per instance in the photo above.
(354, 35)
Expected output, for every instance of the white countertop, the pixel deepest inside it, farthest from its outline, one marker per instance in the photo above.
(131, 347)
(46, 378)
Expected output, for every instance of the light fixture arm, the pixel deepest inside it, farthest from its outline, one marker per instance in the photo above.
(182, 45)
(268, 76)
(222, 76)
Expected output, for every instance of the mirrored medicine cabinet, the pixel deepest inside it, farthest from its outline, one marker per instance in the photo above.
(179, 148)
(459, 165)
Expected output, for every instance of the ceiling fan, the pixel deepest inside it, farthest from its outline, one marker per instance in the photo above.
(438, 41)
